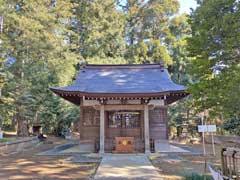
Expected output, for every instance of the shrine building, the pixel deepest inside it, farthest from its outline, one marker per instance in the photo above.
(123, 108)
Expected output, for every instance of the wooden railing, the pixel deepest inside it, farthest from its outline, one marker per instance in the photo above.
(152, 145)
(231, 162)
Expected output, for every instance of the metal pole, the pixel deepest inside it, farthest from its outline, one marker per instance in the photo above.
(213, 145)
(1, 30)
(203, 137)
(204, 149)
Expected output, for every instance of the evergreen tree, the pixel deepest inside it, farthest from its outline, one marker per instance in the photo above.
(180, 112)
(147, 31)
(35, 45)
(99, 26)
(214, 49)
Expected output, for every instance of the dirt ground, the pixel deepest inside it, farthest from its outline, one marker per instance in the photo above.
(27, 165)
(175, 168)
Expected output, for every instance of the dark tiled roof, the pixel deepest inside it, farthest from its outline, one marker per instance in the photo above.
(122, 79)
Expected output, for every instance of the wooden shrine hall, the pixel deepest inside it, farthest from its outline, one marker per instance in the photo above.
(123, 108)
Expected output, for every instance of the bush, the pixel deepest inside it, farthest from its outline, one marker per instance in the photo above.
(232, 125)
(196, 176)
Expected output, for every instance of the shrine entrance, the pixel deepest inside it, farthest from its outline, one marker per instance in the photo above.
(123, 105)
(124, 131)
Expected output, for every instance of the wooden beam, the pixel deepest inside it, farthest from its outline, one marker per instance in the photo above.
(124, 107)
(138, 107)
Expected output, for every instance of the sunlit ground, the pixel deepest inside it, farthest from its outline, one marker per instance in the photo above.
(174, 170)
(27, 165)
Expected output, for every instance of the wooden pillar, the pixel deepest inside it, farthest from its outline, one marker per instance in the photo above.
(102, 127)
(80, 122)
(146, 129)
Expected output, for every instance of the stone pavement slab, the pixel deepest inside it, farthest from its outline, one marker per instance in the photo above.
(82, 159)
(126, 167)
(57, 150)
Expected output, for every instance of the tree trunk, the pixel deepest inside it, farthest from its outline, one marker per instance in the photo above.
(22, 126)
(13, 125)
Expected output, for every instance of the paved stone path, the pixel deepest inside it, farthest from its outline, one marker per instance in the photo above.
(126, 167)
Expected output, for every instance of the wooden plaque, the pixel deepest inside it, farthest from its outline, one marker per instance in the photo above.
(124, 144)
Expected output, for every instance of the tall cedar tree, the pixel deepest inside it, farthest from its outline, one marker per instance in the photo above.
(147, 30)
(214, 49)
(35, 46)
(100, 27)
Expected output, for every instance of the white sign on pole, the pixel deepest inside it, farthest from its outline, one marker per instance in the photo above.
(212, 128)
(202, 128)
(207, 128)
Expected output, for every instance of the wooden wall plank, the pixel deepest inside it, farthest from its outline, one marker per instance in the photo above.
(158, 123)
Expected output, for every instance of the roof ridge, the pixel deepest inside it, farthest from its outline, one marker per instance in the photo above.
(122, 66)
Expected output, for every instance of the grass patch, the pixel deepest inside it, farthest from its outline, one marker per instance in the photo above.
(5, 139)
(196, 176)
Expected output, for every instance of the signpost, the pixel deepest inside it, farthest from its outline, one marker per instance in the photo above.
(208, 128)
(1, 74)
(212, 129)
(204, 129)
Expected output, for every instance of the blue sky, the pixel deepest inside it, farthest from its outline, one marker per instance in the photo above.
(185, 6)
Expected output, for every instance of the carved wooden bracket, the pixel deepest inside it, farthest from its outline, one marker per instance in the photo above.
(102, 101)
(145, 101)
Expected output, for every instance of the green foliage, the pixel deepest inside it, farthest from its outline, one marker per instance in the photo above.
(48, 38)
(2, 79)
(232, 125)
(180, 112)
(195, 176)
(4, 140)
(107, 60)
(180, 31)
(147, 30)
(152, 51)
(36, 36)
(100, 27)
(131, 31)
(214, 51)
